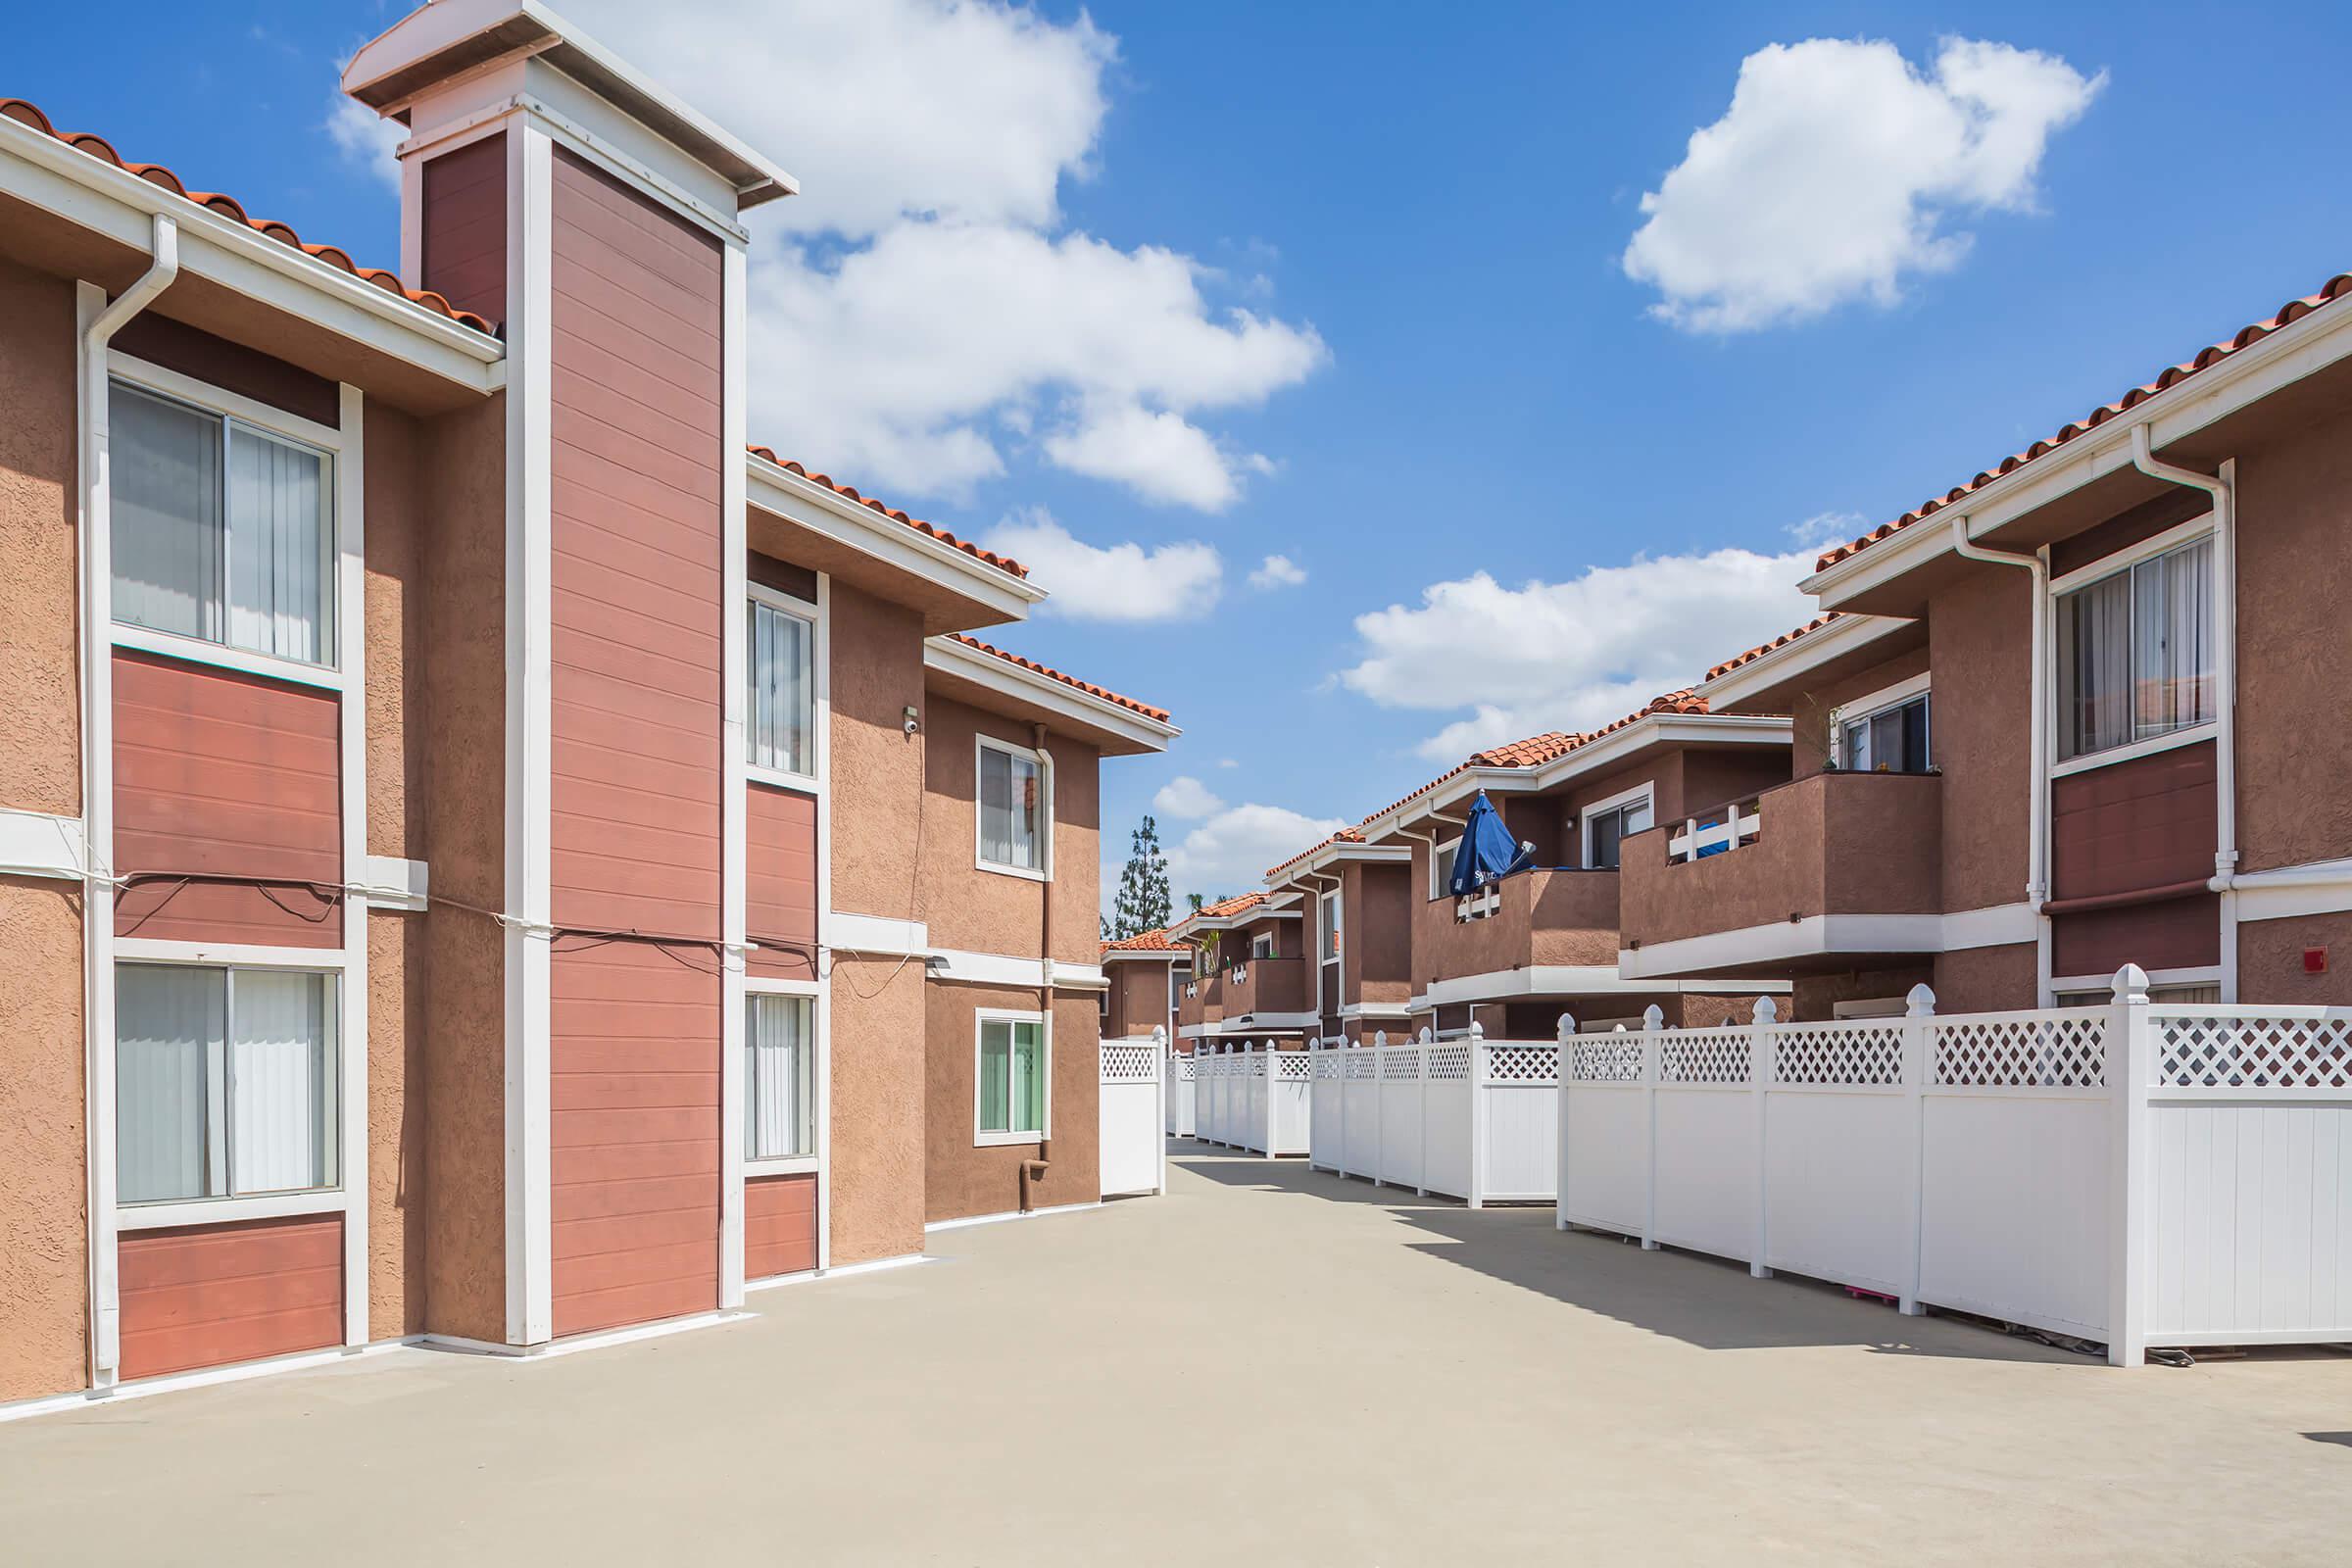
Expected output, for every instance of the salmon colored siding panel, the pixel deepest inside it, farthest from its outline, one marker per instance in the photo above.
(210, 1294)
(780, 882)
(779, 1226)
(465, 226)
(223, 773)
(637, 716)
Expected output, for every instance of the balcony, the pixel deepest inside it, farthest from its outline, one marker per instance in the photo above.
(1533, 920)
(1265, 985)
(1826, 872)
(1200, 1001)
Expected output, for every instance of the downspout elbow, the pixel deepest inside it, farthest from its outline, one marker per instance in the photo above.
(2037, 741)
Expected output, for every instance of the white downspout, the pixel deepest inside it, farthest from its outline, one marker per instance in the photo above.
(2223, 492)
(97, 787)
(2038, 746)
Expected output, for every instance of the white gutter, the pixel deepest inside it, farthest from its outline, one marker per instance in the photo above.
(98, 785)
(2037, 745)
(2223, 493)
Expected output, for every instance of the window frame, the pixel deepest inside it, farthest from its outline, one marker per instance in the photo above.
(1328, 915)
(1645, 794)
(1437, 853)
(332, 445)
(1267, 936)
(1044, 871)
(820, 1067)
(1870, 705)
(813, 615)
(982, 1017)
(2163, 543)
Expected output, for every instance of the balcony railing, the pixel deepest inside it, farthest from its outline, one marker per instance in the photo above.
(1541, 917)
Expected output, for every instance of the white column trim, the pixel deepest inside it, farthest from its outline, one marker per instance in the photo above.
(734, 837)
(823, 966)
(351, 626)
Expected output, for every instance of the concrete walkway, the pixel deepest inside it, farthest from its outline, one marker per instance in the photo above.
(1266, 1366)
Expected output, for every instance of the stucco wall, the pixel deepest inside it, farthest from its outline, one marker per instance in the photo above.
(877, 1057)
(1139, 996)
(876, 672)
(963, 1181)
(2270, 962)
(1985, 979)
(1980, 636)
(1809, 719)
(1379, 936)
(40, 692)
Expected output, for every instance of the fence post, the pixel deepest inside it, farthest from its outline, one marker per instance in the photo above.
(1919, 1013)
(1478, 1117)
(1421, 1121)
(1271, 1117)
(1653, 1025)
(1159, 1100)
(1760, 1073)
(1566, 1033)
(2131, 1065)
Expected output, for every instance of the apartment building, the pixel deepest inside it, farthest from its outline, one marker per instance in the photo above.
(485, 853)
(2059, 718)
(1143, 977)
(1250, 973)
(1356, 905)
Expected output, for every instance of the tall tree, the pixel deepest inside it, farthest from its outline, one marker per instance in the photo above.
(1143, 901)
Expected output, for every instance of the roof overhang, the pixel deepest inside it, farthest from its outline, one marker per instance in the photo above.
(2027, 505)
(1848, 643)
(812, 525)
(969, 675)
(1150, 954)
(69, 214)
(1345, 852)
(450, 38)
(1192, 924)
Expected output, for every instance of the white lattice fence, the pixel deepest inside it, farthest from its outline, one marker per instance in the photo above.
(1470, 1119)
(1183, 1085)
(1130, 1116)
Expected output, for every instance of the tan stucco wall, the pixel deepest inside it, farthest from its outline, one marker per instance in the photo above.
(396, 1125)
(1980, 636)
(877, 1054)
(1139, 996)
(961, 1181)
(2270, 962)
(876, 673)
(44, 1248)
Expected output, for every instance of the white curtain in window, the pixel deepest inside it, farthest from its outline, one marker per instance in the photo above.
(779, 1079)
(280, 1077)
(278, 548)
(1008, 809)
(164, 462)
(783, 695)
(1028, 1078)
(2095, 667)
(2173, 639)
(169, 1028)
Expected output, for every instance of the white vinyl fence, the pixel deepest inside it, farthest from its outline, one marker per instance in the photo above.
(2135, 1174)
(1132, 1154)
(1473, 1119)
(1180, 1096)
(1254, 1098)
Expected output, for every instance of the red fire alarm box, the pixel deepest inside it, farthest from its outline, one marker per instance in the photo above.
(2315, 960)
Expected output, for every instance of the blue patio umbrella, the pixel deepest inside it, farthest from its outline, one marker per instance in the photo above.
(1487, 851)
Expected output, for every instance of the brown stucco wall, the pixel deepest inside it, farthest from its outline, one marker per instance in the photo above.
(1139, 996)
(1814, 997)
(396, 1123)
(961, 1181)
(1809, 721)
(1378, 960)
(1980, 635)
(459, 722)
(878, 1058)
(877, 671)
(1985, 979)
(40, 690)
(2270, 962)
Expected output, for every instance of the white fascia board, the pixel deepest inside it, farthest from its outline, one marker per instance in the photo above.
(1253, 1024)
(876, 934)
(1147, 954)
(1060, 698)
(1572, 979)
(47, 173)
(1004, 969)
(2247, 376)
(777, 489)
(1827, 935)
(38, 844)
(1595, 756)
(2317, 887)
(1341, 853)
(1791, 658)
(1376, 1009)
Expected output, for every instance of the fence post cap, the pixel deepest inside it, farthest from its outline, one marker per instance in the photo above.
(1380, 1037)
(2131, 983)
(1478, 1030)
(1919, 1001)
(1567, 1027)
(1427, 1035)
(1653, 1016)
(1767, 1009)
(1159, 1034)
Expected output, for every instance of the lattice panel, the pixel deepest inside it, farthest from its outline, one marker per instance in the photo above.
(1186, 1068)
(1523, 1065)
(1702, 1057)
(2251, 1051)
(1606, 1059)
(1363, 1064)
(1326, 1065)
(1834, 1057)
(2028, 1051)
(1448, 1061)
(1289, 1066)
(1254, 1065)
(1129, 1064)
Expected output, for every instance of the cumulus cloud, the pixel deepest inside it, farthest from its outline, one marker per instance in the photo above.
(1230, 852)
(1123, 582)
(365, 139)
(1277, 571)
(920, 314)
(1186, 796)
(1833, 173)
(1573, 655)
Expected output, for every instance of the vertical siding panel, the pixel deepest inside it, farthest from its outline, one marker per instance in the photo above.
(465, 226)
(779, 1226)
(209, 1295)
(780, 880)
(636, 732)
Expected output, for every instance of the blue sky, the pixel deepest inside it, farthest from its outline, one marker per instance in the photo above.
(1347, 286)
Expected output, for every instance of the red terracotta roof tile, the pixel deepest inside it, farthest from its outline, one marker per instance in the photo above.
(2287, 315)
(1778, 643)
(1157, 940)
(1002, 562)
(1551, 745)
(98, 147)
(1051, 673)
(1346, 835)
(1227, 908)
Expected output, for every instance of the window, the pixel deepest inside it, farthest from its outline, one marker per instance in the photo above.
(221, 532)
(1331, 926)
(2135, 653)
(1608, 826)
(225, 1082)
(1014, 1064)
(2182, 994)
(1262, 944)
(1012, 815)
(779, 1078)
(1891, 740)
(783, 695)
(1441, 867)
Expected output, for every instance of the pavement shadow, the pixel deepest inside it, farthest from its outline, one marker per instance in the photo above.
(1706, 1301)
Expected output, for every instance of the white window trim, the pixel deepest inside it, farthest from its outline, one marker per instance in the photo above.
(228, 955)
(220, 656)
(2133, 750)
(1646, 792)
(2203, 974)
(1437, 852)
(981, 745)
(1885, 697)
(981, 1018)
(2124, 559)
(264, 416)
(809, 783)
(1329, 914)
(173, 1212)
(820, 1074)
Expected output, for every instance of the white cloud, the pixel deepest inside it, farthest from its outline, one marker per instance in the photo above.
(364, 139)
(1123, 582)
(1228, 762)
(1186, 796)
(1830, 176)
(1570, 655)
(919, 315)
(1277, 571)
(1229, 853)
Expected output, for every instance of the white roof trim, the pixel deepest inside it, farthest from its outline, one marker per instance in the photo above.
(1793, 658)
(777, 489)
(952, 657)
